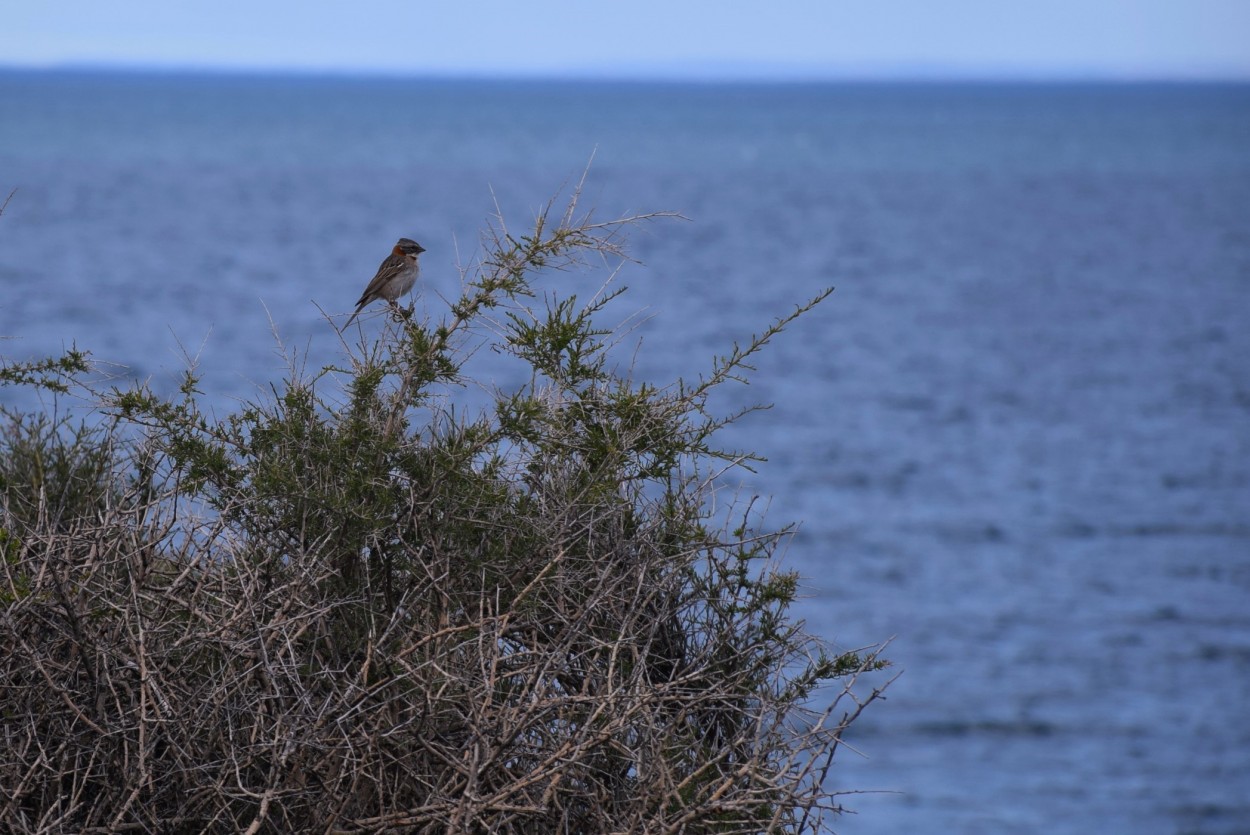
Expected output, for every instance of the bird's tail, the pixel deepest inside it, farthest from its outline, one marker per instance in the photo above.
(353, 316)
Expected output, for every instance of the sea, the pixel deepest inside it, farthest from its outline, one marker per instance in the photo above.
(1016, 438)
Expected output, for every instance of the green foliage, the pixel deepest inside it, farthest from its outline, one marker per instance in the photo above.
(49, 467)
(354, 605)
(53, 374)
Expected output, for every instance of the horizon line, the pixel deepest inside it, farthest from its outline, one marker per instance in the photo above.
(656, 74)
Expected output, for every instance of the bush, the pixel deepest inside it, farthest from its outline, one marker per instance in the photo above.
(351, 608)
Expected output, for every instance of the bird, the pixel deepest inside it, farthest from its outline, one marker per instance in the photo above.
(395, 277)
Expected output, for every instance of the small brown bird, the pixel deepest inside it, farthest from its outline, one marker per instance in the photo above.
(395, 277)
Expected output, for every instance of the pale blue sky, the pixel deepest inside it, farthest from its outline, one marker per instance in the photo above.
(782, 38)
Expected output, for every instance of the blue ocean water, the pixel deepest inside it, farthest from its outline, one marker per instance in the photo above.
(1017, 436)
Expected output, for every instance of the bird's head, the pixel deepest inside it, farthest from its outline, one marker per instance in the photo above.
(407, 246)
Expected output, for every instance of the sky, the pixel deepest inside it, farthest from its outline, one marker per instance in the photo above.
(1100, 39)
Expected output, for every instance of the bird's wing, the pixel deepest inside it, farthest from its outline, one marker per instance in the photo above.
(385, 272)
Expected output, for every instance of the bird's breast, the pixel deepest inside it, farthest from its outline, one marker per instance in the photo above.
(406, 279)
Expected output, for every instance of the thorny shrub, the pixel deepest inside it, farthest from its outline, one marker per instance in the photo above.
(350, 608)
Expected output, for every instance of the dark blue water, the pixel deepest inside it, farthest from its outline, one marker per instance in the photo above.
(1018, 435)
